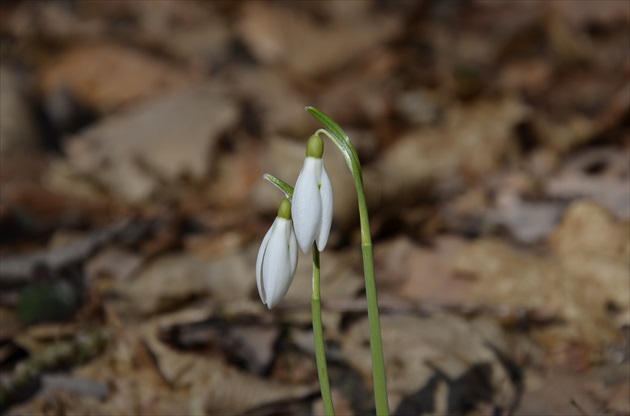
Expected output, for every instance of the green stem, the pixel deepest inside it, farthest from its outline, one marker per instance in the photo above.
(318, 333)
(376, 344)
(341, 140)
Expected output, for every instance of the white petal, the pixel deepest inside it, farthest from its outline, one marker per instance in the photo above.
(259, 263)
(307, 205)
(293, 247)
(276, 268)
(326, 192)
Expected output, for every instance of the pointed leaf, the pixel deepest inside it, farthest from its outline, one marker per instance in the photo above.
(286, 189)
(328, 123)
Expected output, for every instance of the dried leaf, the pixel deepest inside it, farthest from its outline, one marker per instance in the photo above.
(223, 389)
(86, 72)
(161, 141)
(598, 174)
(171, 281)
(418, 273)
(18, 133)
(422, 159)
(243, 340)
(417, 350)
(277, 35)
(19, 268)
(587, 274)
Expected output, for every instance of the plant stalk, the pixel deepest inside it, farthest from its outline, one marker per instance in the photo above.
(318, 334)
(376, 344)
(341, 140)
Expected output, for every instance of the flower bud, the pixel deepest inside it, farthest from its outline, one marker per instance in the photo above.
(277, 258)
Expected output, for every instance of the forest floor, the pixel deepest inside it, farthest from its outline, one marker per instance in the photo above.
(495, 142)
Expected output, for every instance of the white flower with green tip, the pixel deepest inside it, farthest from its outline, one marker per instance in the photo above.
(313, 199)
(277, 258)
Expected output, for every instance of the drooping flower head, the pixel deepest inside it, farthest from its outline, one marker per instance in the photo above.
(277, 258)
(313, 199)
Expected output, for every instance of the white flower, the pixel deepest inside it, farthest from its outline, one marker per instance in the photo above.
(277, 258)
(313, 199)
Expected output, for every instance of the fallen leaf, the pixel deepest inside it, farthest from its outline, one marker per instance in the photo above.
(581, 14)
(224, 389)
(421, 274)
(113, 262)
(589, 231)
(600, 175)
(417, 350)
(618, 399)
(563, 136)
(425, 158)
(135, 382)
(340, 278)
(594, 247)
(18, 132)
(160, 141)
(276, 105)
(363, 95)
(528, 222)
(587, 273)
(78, 386)
(558, 393)
(244, 340)
(86, 72)
(284, 36)
(173, 280)
(54, 21)
(23, 267)
(32, 209)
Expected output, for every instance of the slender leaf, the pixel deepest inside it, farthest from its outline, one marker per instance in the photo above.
(286, 189)
(328, 123)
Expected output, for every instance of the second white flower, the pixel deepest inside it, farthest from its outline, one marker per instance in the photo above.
(277, 258)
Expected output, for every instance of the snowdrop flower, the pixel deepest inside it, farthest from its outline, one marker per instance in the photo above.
(277, 258)
(313, 199)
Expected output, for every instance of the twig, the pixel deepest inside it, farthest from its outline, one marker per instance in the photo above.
(26, 373)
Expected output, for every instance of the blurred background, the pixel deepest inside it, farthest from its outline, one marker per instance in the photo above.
(495, 142)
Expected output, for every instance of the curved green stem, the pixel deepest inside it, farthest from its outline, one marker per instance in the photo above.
(341, 140)
(318, 333)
